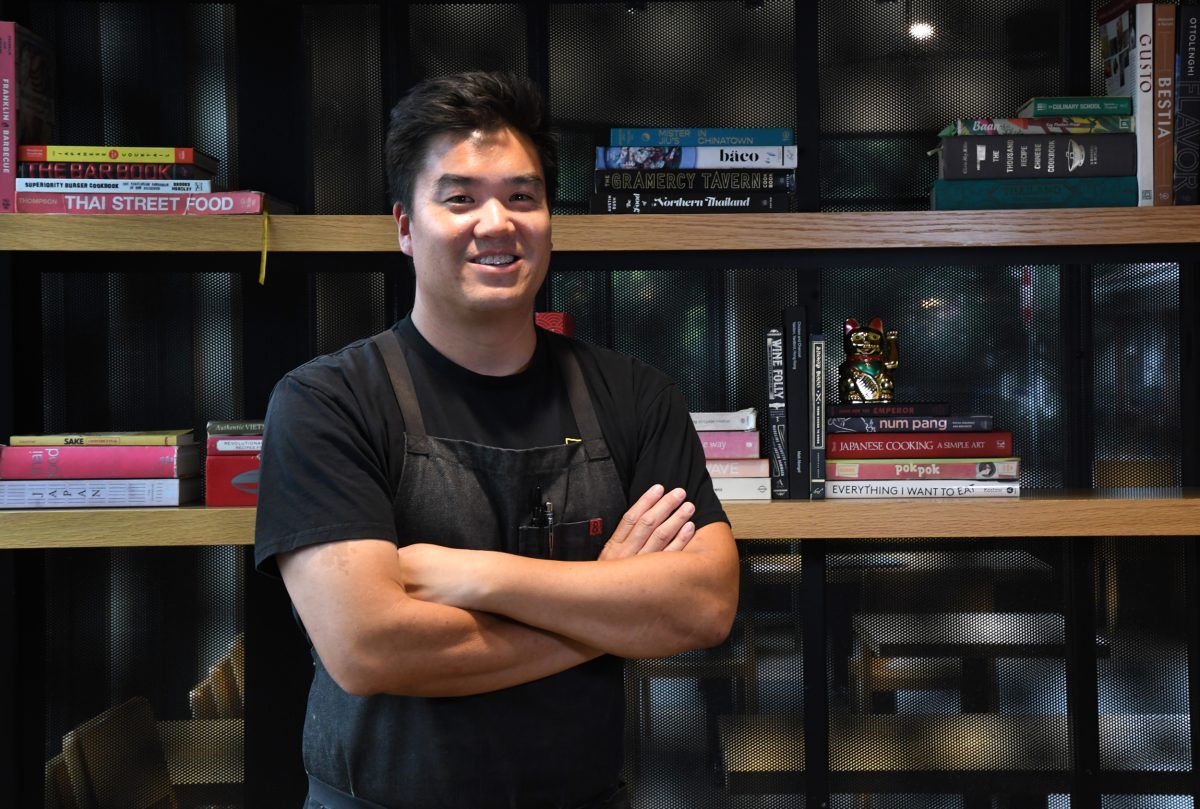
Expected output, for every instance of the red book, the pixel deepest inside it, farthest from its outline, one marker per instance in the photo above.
(84, 463)
(234, 444)
(216, 202)
(231, 480)
(997, 443)
(560, 322)
(729, 443)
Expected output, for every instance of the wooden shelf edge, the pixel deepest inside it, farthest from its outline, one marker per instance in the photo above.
(1049, 515)
(376, 233)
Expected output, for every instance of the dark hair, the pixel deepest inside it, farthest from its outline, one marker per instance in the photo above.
(462, 103)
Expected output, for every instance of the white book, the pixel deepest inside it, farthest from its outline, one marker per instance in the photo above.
(115, 186)
(1128, 49)
(746, 419)
(105, 493)
(757, 488)
(922, 488)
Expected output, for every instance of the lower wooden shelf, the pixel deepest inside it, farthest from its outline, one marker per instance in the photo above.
(1050, 514)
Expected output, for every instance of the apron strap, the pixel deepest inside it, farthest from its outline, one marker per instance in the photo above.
(334, 798)
(581, 401)
(388, 343)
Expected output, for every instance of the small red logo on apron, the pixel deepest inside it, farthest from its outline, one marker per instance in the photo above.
(595, 527)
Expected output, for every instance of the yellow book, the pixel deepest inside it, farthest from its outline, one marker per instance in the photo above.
(37, 153)
(154, 438)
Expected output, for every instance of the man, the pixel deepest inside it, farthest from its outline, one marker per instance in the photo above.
(448, 503)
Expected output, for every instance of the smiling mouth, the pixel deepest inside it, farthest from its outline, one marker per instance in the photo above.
(496, 261)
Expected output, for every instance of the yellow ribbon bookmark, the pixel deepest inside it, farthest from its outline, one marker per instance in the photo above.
(262, 262)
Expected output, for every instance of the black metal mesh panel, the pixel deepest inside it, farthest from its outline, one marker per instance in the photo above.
(1137, 418)
(1147, 802)
(670, 65)
(347, 136)
(947, 669)
(144, 686)
(984, 339)
(885, 94)
(1142, 682)
(217, 345)
(211, 95)
(452, 37)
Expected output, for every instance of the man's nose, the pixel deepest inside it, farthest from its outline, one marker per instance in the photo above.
(494, 218)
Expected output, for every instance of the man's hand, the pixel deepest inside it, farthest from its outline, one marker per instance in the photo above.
(656, 522)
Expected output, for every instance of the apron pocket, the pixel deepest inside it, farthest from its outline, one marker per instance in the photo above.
(573, 541)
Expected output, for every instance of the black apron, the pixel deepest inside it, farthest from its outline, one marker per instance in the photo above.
(554, 742)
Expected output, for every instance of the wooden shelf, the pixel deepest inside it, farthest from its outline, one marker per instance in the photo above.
(1052, 514)
(1063, 227)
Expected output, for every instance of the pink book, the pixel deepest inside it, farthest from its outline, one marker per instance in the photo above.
(740, 468)
(213, 203)
(924, 469)
(729, 443)
(919, 445)
(83, 463)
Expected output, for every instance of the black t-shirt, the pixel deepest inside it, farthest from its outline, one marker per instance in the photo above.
(334, 444)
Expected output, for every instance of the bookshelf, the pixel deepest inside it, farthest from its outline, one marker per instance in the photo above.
(1048, 513)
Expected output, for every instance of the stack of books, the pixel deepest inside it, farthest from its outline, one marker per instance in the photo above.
(231, 468)
(157, 180)
(1137, 145)
(1057, 153)
(917, 450)
(100, 470)
(732, 454)
(728, 170)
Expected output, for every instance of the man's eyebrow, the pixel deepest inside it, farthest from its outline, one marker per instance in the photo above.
(447, 181)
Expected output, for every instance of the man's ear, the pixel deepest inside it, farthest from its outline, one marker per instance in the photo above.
(403, 228)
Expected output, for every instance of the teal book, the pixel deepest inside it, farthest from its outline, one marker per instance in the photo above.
(1045, 106)
(1059, 192)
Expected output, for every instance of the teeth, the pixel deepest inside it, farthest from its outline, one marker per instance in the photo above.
(497, 260)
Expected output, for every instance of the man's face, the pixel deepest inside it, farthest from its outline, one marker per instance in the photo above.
(479, 228)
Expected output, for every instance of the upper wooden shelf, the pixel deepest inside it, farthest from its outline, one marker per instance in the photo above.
(646, 232)
(1051, 514)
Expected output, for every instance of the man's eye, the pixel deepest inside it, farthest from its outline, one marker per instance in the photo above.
(458, 199)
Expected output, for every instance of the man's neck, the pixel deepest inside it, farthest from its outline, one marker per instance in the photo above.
(498, 345)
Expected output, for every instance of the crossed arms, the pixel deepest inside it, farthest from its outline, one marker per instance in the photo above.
(433, 621)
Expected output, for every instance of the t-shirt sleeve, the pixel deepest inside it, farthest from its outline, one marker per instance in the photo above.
(322, 478)
(670, 453)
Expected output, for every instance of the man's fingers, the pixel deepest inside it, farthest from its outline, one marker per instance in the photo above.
(630, 519)
(682, 538)
(665, 533)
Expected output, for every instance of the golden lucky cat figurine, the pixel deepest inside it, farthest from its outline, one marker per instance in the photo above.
(871, 356)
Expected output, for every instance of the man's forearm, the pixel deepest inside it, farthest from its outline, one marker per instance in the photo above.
(650, 605)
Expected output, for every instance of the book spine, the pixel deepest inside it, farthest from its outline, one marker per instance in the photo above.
(746, 419)
(795, 373)
(740, 468)
(742, 488)
(920, 488)
(1187, 107)
(234, 444)
(925, 469)
(725, 136)
(1015, 156)
(889, 409)
(97, 440)
(1164, 104)
(112, 171)
(777, 448)
(116, 186)
(907, 424)
(72, 463)
(45, 153)
(1056, 125)
(102, 493)
(696, 157)
(723, 444)
(921, 445)
(694, 180)
(635, 202)
(8, 115)
(1143, 101)
(215, 203)
(816, 418)
(1055, 107)
(251, 427)
(231, 480)
(1064, 192)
